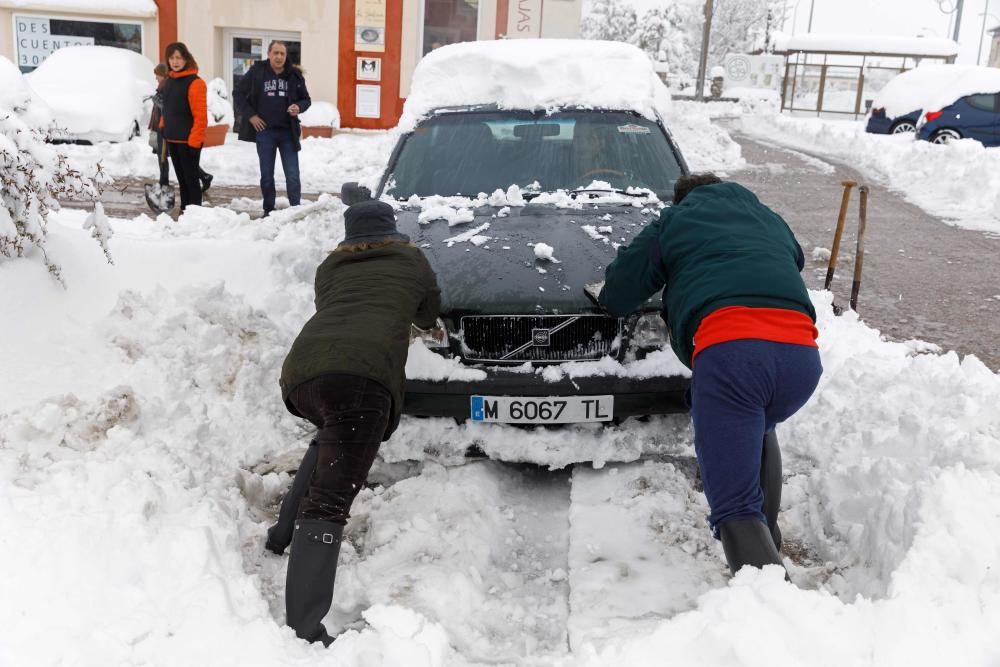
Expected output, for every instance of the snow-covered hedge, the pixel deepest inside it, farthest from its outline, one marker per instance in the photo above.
(33, 174)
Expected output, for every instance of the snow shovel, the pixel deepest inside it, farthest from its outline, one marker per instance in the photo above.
(160, 198)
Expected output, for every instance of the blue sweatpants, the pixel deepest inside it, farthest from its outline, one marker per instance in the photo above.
(740, 390)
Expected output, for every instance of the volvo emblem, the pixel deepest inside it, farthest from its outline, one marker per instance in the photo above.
(540, 337)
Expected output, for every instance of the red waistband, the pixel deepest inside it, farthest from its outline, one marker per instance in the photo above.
(739, 322)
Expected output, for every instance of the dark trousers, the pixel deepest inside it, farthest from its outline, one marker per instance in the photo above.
(186, 166)
(164, 160)
(278, 140)
(740, 390)
(352, 414)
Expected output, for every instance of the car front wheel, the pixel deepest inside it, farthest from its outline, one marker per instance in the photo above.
(903, 127)
(945, 136)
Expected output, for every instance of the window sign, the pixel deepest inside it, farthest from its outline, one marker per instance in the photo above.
(369, 69)
(37, 37)
(369, 25)
(368, 103)
(524, 19)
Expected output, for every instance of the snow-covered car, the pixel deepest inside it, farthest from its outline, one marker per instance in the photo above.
(521, 167)
(18, 97)
(898, 108)
(95, 93)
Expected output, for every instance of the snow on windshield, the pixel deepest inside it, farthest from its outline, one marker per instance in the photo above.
(535, 74)
(931, 87)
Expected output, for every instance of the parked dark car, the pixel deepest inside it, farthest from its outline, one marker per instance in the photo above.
(970, 117)
(880, 123)
(504, 310)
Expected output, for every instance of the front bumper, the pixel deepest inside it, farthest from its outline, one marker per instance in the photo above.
(633, 397)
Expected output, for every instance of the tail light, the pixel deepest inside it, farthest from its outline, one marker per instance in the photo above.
(879, 113)
(933, 116)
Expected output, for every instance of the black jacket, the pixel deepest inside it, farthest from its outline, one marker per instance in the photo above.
(248, 92)
(365, 302)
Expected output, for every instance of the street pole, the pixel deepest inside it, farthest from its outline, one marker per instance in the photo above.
(958, 19)
(812, 6)
(703, 60)
(982, 31)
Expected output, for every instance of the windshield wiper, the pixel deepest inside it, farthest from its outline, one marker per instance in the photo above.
(617, 191)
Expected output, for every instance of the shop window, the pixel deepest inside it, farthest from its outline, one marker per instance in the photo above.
(36, 37)
(448, 22)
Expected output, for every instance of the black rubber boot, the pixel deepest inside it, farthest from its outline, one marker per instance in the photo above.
(748, 542)
(279, 536)
(771, 482)
(312, 568)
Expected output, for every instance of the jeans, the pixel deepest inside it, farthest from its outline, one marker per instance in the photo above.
(186, 166)
(741, 390)
(352, 414)
(269, 141)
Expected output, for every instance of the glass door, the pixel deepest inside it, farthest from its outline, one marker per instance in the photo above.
(245, 48)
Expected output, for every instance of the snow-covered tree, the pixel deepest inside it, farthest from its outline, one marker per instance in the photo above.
(668, 34)
(33, 175)
(742, 26)
(613, 20)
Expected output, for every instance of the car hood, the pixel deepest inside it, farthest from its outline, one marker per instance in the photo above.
(489, 266)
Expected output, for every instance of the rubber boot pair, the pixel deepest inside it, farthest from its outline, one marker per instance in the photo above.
(748, 541)
(279, 536)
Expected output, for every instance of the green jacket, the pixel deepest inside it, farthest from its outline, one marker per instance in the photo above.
(719, 247)
(365, 302)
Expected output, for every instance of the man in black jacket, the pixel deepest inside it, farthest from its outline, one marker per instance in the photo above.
(270, 98)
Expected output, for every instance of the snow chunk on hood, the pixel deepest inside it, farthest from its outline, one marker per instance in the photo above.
(536, 74)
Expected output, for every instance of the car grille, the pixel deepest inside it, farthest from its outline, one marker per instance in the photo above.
(540, 338)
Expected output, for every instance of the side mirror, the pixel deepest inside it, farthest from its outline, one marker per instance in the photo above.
(352, 193)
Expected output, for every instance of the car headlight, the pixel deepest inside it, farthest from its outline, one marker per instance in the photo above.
(434, 338)
(650, 331)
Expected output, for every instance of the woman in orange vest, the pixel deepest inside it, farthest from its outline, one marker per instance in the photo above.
(185, 117)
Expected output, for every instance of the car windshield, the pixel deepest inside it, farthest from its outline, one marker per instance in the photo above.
(471, 152)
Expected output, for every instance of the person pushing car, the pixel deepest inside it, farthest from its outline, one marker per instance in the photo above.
(740, 318)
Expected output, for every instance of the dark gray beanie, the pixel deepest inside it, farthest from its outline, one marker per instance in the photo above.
(371, 221)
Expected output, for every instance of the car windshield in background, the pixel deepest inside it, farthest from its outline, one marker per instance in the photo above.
(465, 153)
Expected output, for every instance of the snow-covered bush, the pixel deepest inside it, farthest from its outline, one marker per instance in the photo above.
(33, 174)
(220, 107)
(321, 114)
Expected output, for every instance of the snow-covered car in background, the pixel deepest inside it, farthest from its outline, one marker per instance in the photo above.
(95, 93)
(522, 166)
(898, 106)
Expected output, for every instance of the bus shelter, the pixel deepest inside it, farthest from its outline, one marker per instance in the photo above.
(840, 74)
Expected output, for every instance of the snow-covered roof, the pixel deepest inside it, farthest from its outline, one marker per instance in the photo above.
(143, 8)
(864, 44)
(931, 87)
(536, 74)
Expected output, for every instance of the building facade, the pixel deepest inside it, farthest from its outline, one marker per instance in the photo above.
(357, 54)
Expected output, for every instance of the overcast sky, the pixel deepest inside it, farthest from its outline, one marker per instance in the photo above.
(905, 18)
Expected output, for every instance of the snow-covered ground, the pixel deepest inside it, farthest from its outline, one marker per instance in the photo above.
(139, 411)
(958, 182)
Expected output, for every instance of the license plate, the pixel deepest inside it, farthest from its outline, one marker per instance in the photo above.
(542, 410)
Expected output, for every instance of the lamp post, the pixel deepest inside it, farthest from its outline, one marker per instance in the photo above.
(982, 31)
(699, 93)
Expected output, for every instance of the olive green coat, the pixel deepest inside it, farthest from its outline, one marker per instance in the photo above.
(365, 303)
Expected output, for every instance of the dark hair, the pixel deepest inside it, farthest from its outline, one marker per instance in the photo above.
(161, 70)
(277, 41)
(181, 48)
(685, 184)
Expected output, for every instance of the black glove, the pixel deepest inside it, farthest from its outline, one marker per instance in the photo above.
(593, 292)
